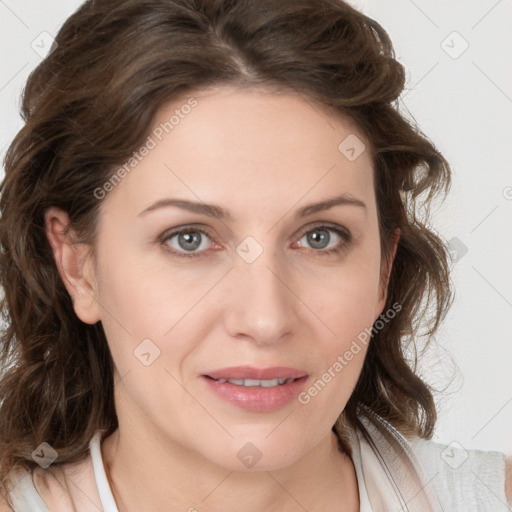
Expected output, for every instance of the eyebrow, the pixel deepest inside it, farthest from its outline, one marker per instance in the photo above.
(218, 212)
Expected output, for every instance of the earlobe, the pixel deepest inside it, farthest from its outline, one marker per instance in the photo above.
(73, 263)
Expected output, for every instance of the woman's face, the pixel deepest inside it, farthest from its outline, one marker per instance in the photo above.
(263, 277)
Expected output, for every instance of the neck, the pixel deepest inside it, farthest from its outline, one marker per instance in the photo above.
(147, 472)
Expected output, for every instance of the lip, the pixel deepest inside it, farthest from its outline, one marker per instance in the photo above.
(250, 372)
(257, 398)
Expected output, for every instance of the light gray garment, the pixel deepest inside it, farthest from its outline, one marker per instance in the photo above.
(464, 480)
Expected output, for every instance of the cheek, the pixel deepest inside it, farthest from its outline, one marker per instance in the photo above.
(144, 296)
(151, 313)
(346, 299)
(344, 309)
(339, 351)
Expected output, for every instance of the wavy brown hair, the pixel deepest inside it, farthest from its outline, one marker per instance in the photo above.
(90, 104)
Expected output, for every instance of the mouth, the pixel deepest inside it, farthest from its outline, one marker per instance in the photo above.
(250, 373)
(250, 383)
(256, 389)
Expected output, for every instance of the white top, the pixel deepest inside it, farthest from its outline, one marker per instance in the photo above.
(107, 499)
(462, 480)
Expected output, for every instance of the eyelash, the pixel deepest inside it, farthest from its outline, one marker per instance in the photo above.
(345, 235)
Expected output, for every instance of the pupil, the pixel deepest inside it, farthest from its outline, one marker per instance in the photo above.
(187, 238)
(316, 240)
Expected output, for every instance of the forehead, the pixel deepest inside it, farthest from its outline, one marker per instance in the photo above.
(249, 148)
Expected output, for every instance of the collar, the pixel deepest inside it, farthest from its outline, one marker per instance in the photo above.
(393, 475)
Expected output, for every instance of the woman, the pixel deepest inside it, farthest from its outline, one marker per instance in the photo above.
(212, 265)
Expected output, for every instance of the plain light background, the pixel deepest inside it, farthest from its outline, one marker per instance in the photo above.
(458, 57)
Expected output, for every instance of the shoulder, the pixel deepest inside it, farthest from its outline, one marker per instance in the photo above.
(68, 486)
(20, 493)
(58, 488)
(465, 476)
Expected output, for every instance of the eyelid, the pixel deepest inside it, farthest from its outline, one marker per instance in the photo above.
(320, 224)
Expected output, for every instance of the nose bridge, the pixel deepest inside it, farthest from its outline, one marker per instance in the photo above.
(262, 305)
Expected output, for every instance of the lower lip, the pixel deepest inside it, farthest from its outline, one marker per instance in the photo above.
(257, 398)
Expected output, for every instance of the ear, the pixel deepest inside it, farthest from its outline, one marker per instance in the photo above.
(74, 266)
(385, 275)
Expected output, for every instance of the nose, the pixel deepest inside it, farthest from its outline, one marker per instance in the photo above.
(262, 306)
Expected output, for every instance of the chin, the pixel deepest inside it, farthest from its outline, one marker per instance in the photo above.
(258, 455)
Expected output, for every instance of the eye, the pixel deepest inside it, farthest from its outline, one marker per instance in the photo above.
(319, 238)
(189, 242)
(192, 242)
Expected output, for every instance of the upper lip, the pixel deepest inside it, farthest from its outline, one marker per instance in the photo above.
(250, 372)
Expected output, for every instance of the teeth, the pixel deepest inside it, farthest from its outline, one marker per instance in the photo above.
(269, 383)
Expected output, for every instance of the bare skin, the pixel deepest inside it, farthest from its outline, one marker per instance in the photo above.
(262, 157)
